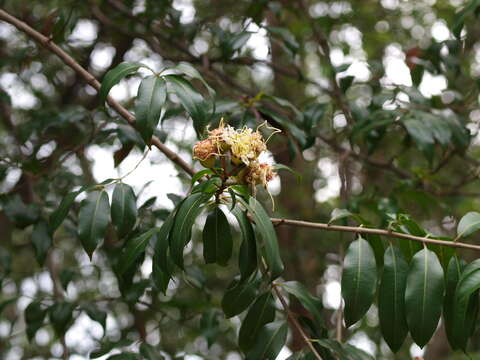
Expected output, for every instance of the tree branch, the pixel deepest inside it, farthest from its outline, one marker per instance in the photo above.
(295, 322)
(91, 80)
(364, 230)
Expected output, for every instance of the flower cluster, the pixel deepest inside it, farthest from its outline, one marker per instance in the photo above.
(239, 148)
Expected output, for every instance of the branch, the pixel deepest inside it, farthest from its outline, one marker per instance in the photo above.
(91, 80)
(295, 323)
(325, 53)
(364, 230)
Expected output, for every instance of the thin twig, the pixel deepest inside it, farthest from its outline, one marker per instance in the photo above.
(91, 80)
(364, 230)
(295, 322)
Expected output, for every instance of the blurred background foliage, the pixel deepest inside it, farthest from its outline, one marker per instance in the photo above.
(378, 103)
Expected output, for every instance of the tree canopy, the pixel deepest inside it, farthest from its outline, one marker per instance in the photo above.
(186, 179)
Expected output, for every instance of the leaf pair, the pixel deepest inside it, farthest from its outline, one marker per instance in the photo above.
(94, 215)
(152, 96)
(410, 296)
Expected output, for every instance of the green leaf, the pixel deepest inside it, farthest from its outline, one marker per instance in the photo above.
(20, 213)
(95, 314)
(34, 316)
(288, 38)
(57, 217)
(235, 42)
(151, 97)
(238, 297)
(309, 302)
(217, 238)
(124, 209)
(359, 280)
(465, 306)
(197, 176)
(190, 71)
(93, 220)
(247, 260)
(260, 313)
(133, 249)
(346, 82)
(454, 271)
(468, 224)
(265, 229)
(419, 131)
(124, 356)
(192, 101)
(185, 217)
(270, 340)
(149, 352)
(209, 186)
(391, 298)
(61, 315)
(113, 76)
(424, 295)
(42, 241)
(162, 265)
(344, 351)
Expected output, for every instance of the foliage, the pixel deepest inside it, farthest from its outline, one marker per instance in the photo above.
(109, 268)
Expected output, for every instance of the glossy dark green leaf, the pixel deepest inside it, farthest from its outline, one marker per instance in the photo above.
(465, 305)
(57, 217)
(93, 219)
(264, 227)
(185, 217)
(344, 351)
(391, 298)
(424, 295)
(419, 131)
(288, 38)
(346, 82)
(454, 271)
(271, 339)
(247, 260)
(468, 224)
(61, 315)
(113, 76)
(209, 186)
(260, 313)
(34, 316)
(151, 97)
(42, 241)
(238, 297)
(217, 238)
(309, 302)
(162, 265)
(359, 280)
(192, 101)
(149, 352)
(235, 42)
(95, 314)
(133, 249)
(20, 213)
(202, 173)
(124, 209)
